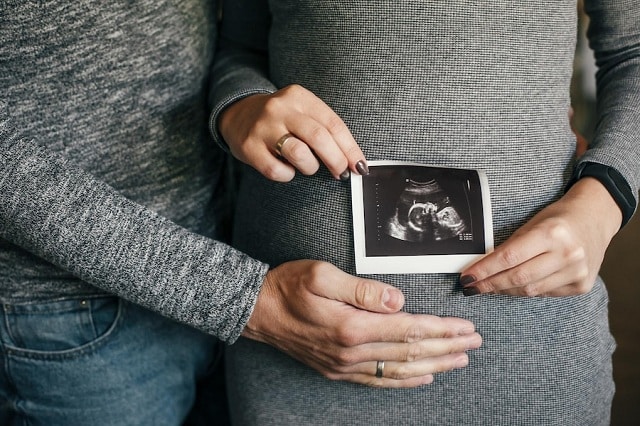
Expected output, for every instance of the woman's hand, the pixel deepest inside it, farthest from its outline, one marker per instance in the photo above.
(343, 325)
(557, 253)
(287, 130)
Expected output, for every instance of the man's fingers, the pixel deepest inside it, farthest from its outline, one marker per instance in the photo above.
(327, 281)
(401, 374)
(360, 327)
(373, 381)
(343, 326)
(405, 370)
(373, 307)
(400, 352)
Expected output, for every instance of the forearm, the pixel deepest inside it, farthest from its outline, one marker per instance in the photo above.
(241, 64)
(67, 217)
(614, 36)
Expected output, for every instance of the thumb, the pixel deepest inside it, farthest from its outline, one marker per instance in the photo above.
(370, 295)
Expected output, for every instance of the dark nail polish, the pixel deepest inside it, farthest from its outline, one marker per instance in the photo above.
(345, 175)
(470, 291)
(465, 280)
(362, 168)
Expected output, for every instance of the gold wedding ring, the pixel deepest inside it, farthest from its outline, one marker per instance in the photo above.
(283, 139)
(379, 369)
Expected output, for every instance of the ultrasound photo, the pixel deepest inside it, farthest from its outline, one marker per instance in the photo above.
(424, 212)
(417, 218)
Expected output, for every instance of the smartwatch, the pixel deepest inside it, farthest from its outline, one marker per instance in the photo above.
(613, 181)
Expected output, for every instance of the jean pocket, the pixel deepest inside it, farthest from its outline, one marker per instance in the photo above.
(64, 327)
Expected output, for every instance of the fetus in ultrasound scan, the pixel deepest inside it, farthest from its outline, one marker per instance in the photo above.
(424, 212)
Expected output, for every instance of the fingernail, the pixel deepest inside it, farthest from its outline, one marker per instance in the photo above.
(470, 291)
(465, 331)
(475, 344)
(391, 298)
(345, 175)
(362, 168)
(462, 362)
(465, 280)
(428, 379)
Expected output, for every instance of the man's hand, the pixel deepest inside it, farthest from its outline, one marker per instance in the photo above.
(342, 325)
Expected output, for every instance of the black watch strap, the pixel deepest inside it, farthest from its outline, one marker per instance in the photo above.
(613, 181)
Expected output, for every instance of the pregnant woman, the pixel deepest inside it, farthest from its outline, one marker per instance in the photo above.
(476, 85)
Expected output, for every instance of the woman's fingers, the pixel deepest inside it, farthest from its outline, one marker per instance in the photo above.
(297, 153)
(336, 128)
(525, 278)
(557, 253)
(568, 280)
(518, 249)
(265, 162)
(294, 127)
(321, 142)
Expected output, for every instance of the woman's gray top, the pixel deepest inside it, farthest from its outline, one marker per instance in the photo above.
(108, 180)
(471, 84)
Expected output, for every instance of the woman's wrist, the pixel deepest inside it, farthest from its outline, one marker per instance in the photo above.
(605, 213)
(613, 181)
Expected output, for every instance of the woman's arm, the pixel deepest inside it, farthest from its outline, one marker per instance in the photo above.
(251, 118)
(614, 36)
(559, 252)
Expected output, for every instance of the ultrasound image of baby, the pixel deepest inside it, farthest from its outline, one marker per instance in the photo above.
(424, 213)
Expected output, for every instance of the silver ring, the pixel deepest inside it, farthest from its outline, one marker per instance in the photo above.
(280, 143)
(379, 369)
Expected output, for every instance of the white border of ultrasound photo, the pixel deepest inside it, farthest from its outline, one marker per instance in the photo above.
(403, 264)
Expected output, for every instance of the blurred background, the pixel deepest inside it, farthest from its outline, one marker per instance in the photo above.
(621, 267)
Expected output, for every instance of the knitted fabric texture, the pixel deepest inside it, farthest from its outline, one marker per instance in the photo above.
(465, 84)
(108, 180)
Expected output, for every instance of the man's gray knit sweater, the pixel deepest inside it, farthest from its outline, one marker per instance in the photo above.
(107, 178)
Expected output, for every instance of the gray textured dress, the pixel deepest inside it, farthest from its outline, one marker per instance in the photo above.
(473, 84)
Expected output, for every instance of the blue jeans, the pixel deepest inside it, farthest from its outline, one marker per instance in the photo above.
(97, 361)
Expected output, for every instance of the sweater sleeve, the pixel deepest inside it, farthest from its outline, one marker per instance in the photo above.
(241, 62)
(614, 35)
(66, 216)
